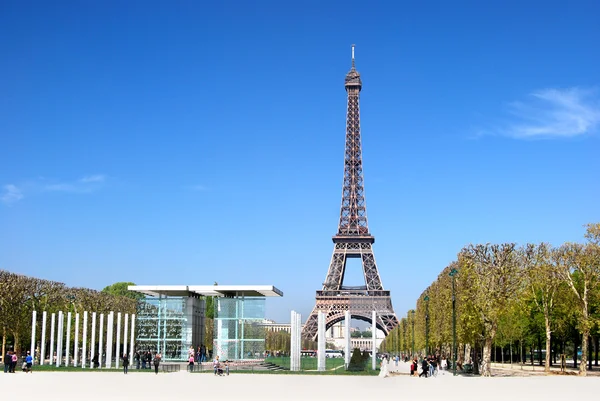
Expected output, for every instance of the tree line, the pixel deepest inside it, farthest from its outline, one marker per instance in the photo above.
(508, 295)
(20, 295)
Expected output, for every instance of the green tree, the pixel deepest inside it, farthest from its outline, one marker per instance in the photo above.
(493, 274)
(120, 289)
(357, 362)
(544, 282)
(579, 267)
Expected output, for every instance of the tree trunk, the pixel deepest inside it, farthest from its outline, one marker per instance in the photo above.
(584, 347)
(575, 346)
(548, 345)
(502, 354)
(532, 355)
(511, 355)
(3, 343)
(17, 345)
(521, 352)
(596, 346)
(539, 346)
(590, 353)
(486, 366)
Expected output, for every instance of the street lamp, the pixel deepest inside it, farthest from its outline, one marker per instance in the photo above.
(453, 274)
(413, 332)
(426, 299)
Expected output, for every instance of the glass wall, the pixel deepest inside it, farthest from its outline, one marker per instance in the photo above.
(238, 333)
(170, 326)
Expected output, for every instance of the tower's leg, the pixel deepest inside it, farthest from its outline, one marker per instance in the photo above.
(311, 327)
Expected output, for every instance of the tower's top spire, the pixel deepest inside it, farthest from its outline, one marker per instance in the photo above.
(353, 77)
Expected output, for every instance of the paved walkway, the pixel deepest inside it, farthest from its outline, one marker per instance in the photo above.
(91, 386)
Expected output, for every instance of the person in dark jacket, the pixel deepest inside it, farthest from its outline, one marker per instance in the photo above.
(157, 359)
(7, 361)
(425, 367)
(125, 363)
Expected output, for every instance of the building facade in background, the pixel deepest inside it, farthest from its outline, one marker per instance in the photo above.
(172, 319)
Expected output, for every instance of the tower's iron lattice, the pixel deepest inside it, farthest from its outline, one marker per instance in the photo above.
(353, 239)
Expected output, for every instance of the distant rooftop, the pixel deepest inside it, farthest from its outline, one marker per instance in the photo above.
(208, 290)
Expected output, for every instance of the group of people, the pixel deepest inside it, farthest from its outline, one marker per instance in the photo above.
(221, 369)
(429, 366)
(10, 362)
(146, 359)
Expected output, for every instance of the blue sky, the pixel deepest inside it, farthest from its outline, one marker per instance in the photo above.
(192, 142)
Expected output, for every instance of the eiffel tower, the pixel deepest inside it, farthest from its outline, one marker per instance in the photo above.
(353, 240)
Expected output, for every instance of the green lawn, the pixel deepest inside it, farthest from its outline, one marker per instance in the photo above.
(309, 365)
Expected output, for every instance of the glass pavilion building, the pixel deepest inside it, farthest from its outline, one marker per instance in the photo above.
(172, 319)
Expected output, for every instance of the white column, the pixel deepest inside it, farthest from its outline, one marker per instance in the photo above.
(52, 319)
(126, 323)
(33, 324)
(109, 339)
(43, 350)
(132, 337)
(293, 332)
(118, 347)
(84, 340)
(76, 342)
(67, 348)
(59, 338)
(347, 338)
(298, 341)
(293, 341)
(93, 341)
(321, 342)
(374, 341)
(100, 339)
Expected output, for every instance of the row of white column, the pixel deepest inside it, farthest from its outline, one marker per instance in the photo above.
(60, 334)
(296, 340)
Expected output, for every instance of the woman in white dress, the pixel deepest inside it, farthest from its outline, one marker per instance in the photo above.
(383, 371)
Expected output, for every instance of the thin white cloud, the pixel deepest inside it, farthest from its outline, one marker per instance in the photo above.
(11, 194)
(554, 113)
(86, 184)
(60, 187)
(93, 178)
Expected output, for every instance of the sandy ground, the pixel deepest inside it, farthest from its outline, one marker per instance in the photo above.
(183, 386)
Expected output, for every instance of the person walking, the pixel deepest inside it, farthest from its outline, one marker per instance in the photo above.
(28, 363)
(136, 358)
(157, 359)
(191, 363)
(125, 363)
(202, 353)
(143, 357)
(424, 367)
(7, 361)
(383, 368)
(217, 366)
(13, 364)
